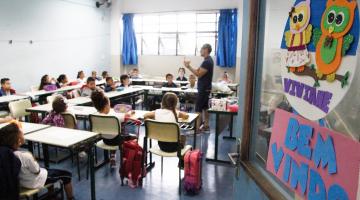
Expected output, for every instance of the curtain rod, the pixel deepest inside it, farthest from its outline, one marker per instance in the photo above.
(173, 11)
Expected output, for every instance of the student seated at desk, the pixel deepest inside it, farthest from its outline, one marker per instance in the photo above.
(169, 81)
(31, 175)
(62, 81)
(104, 75)
(125, 81)
(94, 76)
(45, 81)
(54, 118)
(110, 85)
(102, 105)
(225, 78)
(192, 82)
(6, 87)
(81, 77)
(181, 76)
(135, 74)
(168, 113)
(90, 86)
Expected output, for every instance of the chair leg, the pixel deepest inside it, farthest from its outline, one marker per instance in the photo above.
(95, 154)
(179, 180)
(88, 168)
(162, 163)
(39, 154)
(78, 166)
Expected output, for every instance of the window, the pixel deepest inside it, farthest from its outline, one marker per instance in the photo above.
(175, 33)
(344, 118)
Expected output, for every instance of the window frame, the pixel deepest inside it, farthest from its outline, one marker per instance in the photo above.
(249, 98)
(177, 33)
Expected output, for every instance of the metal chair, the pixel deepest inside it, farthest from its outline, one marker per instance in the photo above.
(164, 132)
(108, 127)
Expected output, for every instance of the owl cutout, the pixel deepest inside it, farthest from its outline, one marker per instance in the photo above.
(298, 37)
(332, 41)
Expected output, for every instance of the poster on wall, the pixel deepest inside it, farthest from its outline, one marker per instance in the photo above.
(314, 161)
(319, 49)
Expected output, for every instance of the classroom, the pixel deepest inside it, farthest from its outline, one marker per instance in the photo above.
(179, 100)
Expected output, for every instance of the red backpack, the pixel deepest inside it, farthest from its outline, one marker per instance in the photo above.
(132, 166)
(192, 167)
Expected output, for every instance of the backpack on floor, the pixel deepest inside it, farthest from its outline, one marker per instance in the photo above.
(192, 167)
(132, 164)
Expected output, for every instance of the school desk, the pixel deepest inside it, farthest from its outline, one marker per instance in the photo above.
(158, 91)
(218, 132)
(29, 127)
(35, 94)
(151, 81)
(66, 138)
(10, 98)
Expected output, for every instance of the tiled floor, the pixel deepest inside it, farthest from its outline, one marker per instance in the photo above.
(217, 178)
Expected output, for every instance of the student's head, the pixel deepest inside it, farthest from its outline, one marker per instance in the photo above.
(181, 71)
(90, 83)
(93, 74)
(81, 74)
(62, 79)
(192, 79)
(169, 102)
(169, 78)
(125, 80)
(101, 102)
(109, 80)
(11, 135)
(135, 72)
(5, 83)
(205, 50)
(105, 74)
(44, 81)
(59, 105)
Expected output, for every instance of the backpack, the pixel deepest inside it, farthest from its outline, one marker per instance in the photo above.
(192, 167)
(132, 164)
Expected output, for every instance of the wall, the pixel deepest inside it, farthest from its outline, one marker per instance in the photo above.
(155, 65)
(68, 35)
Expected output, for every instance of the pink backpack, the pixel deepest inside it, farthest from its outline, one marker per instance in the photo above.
(192, 167)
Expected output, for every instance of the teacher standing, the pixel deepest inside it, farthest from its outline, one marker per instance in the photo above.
(205, 76)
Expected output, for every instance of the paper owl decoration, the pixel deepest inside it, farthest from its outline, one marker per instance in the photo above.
(332, 41)
(298, 36)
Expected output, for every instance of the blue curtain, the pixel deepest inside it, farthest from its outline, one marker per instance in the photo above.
(129, 49)
(227, 39)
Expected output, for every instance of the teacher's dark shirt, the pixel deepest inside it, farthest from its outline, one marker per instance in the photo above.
(204, 82)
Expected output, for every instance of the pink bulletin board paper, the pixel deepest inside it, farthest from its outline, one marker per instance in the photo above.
(347, 153)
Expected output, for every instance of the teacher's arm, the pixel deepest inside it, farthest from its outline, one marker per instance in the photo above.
(199, 72)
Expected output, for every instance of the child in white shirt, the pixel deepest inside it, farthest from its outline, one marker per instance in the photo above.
(102, 105)
(168, 113)
(31, 175)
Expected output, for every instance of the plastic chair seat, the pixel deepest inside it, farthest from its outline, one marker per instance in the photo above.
(26, 192)
(159, 152)
(102, 145)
